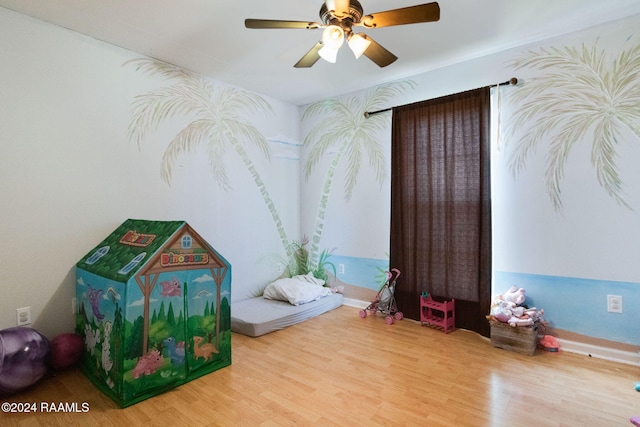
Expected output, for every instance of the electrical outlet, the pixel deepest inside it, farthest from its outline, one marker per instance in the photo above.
(340, 268)
(23, 316)
(614, 303)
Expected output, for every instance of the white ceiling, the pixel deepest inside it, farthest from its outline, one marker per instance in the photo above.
(208, 36)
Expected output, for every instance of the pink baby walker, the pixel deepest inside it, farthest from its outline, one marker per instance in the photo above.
(385, 301)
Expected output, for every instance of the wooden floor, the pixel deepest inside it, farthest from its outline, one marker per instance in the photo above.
(340, 370)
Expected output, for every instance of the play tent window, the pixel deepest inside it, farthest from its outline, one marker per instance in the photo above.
(127, 268)
(97, 255)
(186, 242)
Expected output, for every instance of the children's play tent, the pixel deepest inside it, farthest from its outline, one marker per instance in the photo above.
(154, 309)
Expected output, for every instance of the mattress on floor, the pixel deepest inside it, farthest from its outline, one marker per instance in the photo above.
(258, 316)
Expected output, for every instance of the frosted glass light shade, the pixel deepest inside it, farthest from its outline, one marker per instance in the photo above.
(332, 39)
(358, 43)
(333, 36)
(328, 54)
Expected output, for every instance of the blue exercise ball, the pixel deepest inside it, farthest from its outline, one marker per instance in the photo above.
(24, 358)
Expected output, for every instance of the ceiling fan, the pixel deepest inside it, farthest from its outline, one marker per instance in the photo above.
(338, 17)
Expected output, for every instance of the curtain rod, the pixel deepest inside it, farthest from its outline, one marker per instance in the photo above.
(512, 82)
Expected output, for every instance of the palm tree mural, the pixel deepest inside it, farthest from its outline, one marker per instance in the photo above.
(345, 129)
(582, 96)
(217, 119)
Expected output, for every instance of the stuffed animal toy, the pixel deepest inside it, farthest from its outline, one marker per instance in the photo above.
(514, 295)
(520, 321)
(534, 313)
(507, 308)
(502, 310)
(525, 316)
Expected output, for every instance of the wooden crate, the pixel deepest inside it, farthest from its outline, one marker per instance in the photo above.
(521, 339)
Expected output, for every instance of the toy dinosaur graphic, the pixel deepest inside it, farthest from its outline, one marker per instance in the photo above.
(205, 350)
(147, 364)
(171, 288)
(176, 350)
(94, 299)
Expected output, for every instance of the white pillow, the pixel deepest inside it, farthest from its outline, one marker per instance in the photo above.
(296, 290)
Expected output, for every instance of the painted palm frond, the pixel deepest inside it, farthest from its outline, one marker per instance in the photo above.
(155, 107)
(185, 141)
(159, 68)
(380, 96)
(348, 135)
(323, 141)
(580, 96)
(216, 116)
(232, 104)
(345, 123)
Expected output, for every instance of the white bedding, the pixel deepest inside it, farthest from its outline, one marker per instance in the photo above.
(297, 290)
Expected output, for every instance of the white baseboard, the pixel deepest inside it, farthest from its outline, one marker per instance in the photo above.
(614, 355)
(355, 303)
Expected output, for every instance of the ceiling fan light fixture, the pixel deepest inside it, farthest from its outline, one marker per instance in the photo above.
(332, 40)
(339, 17)
(358, 43)
(333, 37)
(328, 54)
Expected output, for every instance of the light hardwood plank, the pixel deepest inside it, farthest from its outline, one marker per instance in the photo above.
(340, 370)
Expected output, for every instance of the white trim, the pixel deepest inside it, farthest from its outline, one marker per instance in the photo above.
(614, 355)
(355, 303)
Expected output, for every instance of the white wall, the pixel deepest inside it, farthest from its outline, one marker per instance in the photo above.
(69, 175)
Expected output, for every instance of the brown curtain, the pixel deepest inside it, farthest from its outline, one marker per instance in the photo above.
(440, 205)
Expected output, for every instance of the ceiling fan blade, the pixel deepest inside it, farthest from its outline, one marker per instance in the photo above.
(341, 7)
(428, 12)
(379, 54)
(273, 23)
(310, 57)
